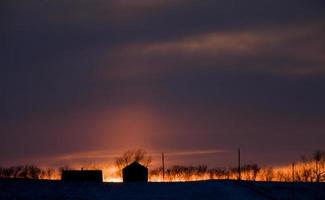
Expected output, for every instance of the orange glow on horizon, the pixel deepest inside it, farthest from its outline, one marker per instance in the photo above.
(281, 173)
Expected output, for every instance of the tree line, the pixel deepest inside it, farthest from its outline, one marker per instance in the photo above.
(308, 169)
(27, 172)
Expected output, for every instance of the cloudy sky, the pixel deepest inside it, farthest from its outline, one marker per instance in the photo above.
(88, 79)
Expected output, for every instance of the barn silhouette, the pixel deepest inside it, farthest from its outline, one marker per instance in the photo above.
(135, 172)
(82, 175)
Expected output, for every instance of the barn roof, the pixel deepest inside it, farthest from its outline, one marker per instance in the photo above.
(135, 165)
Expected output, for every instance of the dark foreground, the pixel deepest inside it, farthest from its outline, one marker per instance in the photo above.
(40, 189)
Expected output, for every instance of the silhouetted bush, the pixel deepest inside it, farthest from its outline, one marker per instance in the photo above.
(27, 172)
(250, 172)
(267, 174)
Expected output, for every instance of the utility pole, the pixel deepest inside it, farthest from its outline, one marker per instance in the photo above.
(293, 181)
(293, 172)
(163, 165)
(239, 177)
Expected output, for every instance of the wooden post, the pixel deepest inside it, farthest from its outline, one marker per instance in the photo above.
(163, 165)
(239, 175)
(293, 181)
(293, 172)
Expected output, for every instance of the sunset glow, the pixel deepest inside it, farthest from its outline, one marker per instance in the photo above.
(280, 173)
(81, 82)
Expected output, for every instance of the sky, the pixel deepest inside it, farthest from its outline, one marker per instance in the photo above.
(83, 81)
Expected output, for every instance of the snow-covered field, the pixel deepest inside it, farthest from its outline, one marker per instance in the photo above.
(40, 189)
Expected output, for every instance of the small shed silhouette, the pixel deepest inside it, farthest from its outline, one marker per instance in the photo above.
(135, 172)
(82, 175)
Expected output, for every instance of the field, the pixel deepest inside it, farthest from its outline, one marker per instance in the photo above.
(40, 189)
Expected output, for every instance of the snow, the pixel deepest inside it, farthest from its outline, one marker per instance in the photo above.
(40, 189)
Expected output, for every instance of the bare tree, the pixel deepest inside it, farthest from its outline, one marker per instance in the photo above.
(130, 156)
(319, 171)
(284, 177)
(306, 172)
(216, 173)
(313, 168)
(34, 172)
(201, 170)
(267, 174)
(47, 173)
(250, 171)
